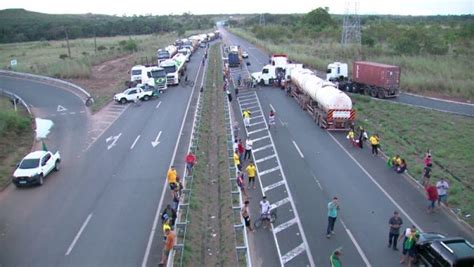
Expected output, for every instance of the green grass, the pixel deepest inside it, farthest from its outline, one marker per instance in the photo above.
(433, 75)
(16, 138)
(411, 131)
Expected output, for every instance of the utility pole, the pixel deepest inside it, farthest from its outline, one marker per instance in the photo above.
(67, 41)
(351, 33)
(262, 20)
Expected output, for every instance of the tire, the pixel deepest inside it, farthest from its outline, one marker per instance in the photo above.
(258, 223)
(123, 101)
(262, 82)
(373, 92)
(347, 88)
(41, 180)
(146, 97)
(381, 94)
(56, 166)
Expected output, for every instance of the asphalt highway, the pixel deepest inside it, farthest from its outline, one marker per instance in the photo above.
(99, 209)
(319, 165)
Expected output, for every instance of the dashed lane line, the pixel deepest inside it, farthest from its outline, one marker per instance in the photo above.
(69, 250)
(298, 149)
(134, 142)
(356, 244)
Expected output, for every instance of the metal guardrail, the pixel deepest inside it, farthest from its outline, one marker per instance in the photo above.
(88, 100)
(15, 99)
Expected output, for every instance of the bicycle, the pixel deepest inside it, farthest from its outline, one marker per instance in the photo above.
(259, 222)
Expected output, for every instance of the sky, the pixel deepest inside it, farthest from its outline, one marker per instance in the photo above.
(158, 7)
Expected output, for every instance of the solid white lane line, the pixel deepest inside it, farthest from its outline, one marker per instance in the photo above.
(158, 105)
(279, 203)
(265, 158)
(378, 185)
(284, 225)
(293, 253)
(136, 139)
(272, 186)
(260, 138)
(256, 131)
(297, 148)
(268, 171)
(163, 192)
(78, 235)
(272, 108)
(356, 244)
(262, 148)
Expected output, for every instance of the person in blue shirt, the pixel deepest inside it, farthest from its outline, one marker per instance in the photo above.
(333, 208)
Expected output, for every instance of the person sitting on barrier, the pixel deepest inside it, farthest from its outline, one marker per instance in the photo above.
(170, 239)
(176, 198)
(168, 214)
(393, 162)
(171, 177)
(190, 162)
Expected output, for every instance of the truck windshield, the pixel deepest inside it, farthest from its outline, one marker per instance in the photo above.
(136, 72)
(162, 55)
(29, 164)
(170, 69)
(158, 73)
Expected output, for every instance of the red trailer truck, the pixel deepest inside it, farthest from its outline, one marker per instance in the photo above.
(370, 78)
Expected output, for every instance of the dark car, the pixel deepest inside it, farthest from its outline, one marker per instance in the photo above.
(435, 250)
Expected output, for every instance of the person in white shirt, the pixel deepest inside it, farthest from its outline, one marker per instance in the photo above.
(248, 148)
(442, 186)
(265, 212)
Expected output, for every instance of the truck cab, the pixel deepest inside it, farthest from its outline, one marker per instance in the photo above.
(140, 74)
(174, 68)
(158, 77)
(268, 74)
(337, 71)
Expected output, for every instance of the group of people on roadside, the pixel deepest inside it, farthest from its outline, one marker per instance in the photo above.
(169, 214)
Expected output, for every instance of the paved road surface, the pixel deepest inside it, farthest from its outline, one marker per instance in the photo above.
(99, 209)
(319, 165)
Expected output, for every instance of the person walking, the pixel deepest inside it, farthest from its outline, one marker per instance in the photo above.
(362, 137)
(246, 114)
(334, 259)
(442, 186)
(271, 119)
(375, 142)
(395, 222)
(248, 148)
(246, 215)
(237, 160)
(251, 171)
(265, 213)
(170, 239)
(351, 137)
(432, 195)
(333, 208)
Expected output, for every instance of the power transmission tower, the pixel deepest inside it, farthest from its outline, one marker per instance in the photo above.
(351, 24)
(262, 20)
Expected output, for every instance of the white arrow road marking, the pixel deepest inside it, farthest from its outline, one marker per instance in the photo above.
(157, 140)
(61, 108)
(114, 138)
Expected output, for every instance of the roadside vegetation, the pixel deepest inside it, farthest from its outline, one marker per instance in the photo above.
(16, 137)
(210, 239)
(411, 131)
(433, 52)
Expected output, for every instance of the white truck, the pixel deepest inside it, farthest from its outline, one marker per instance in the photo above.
(186, 52)
(271, 73)
(132, 94)
(174, 68)
(166, 53)
(151, 75)
(35, 166)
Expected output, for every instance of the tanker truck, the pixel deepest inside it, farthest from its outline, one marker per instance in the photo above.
(328, 106)
(166, 53)
(174, 68)
(370, 78)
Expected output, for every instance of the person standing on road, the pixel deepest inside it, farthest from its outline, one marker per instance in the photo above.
(241, 184)
(432, 195)
(248, 148)
(334, 259)
(246, 114)
(241, 149)
(375, 142)
(246, 215)
(170, 238)
(265, 212)
(333, 208)
(251, 171)
(237, 160)
(171, 176)
(411, 236)
(426, 174)
(362, 137)
(395, 223)
(351, 137)
(442, 186)
(271, 119)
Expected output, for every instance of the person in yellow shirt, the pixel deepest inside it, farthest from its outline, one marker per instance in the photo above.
(171, 176)
(246, 114)
(351, 136)
(237, 160)
(375, 142)
(251, 172)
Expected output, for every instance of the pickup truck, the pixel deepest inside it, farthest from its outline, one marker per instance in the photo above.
(131, 94)
(35, 166)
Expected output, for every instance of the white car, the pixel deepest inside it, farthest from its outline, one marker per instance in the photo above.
(35, 166)
(245, 54)
(131, 94)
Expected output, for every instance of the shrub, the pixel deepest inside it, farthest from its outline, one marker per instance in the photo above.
(63, 56)
(101, 48)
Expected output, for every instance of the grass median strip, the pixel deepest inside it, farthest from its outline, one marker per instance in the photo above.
(210, 237)
(411, 131)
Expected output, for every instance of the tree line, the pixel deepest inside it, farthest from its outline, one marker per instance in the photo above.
(19, 25)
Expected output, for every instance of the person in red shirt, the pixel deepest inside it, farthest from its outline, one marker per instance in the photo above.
(432, 194)
(241, 149)
(190, 162)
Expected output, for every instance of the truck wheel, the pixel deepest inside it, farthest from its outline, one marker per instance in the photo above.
(56, 166)
(146, 97)
(366, 91)
(381, 94)
(40, 180)
(373, 92)
(262, 82)
(123, 101)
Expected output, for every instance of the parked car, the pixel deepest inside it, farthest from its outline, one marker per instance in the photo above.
(434, 249)
(35, 166)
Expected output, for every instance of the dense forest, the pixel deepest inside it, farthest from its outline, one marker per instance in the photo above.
(19, 25)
